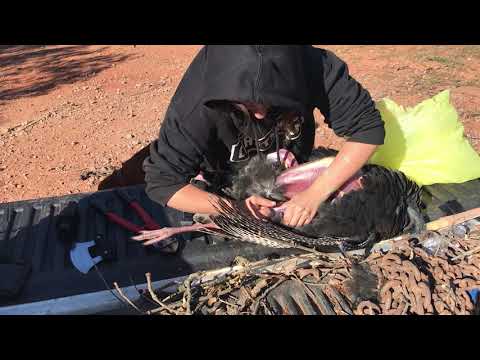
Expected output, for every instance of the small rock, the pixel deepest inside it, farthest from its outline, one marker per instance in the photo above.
(129, 136)
(75, 142)
(85, 88)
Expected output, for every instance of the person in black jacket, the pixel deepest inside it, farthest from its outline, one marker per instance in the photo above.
(239, 100)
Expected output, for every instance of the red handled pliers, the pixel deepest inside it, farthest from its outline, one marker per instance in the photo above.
(149, 222)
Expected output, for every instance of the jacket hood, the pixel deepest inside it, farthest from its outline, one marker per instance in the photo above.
(272, 75)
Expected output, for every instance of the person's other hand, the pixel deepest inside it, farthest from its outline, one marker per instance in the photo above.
(259, 206)
(301, 209)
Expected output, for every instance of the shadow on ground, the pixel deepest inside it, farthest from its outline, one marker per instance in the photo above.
(47, 67)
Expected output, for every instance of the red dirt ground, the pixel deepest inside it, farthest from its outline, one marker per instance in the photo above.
(68, 110)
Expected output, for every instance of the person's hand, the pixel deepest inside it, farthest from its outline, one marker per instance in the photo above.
(301, 208)
(259, 206)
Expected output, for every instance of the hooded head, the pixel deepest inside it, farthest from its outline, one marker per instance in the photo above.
(241, 79)
(269, 75)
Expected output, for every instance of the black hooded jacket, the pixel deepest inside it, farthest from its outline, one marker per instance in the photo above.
(199, 135)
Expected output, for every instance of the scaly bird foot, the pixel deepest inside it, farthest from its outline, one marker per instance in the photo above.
(154, 236)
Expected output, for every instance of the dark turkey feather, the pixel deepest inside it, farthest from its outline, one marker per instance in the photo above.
(380, 207)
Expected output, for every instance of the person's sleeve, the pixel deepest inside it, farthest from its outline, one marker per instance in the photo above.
(175, 158)
(347, 107)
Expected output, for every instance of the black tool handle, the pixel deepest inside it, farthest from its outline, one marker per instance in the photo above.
(104, 244)
(104, 248)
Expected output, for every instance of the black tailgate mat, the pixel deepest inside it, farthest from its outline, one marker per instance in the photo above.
(28, 231)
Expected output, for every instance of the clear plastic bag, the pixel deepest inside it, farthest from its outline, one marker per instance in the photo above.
(435, 244)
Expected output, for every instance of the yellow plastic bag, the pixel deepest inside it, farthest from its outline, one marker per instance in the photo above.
(426, 142)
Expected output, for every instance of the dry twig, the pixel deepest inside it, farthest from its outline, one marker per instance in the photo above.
(154, 296)
(120, 292)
